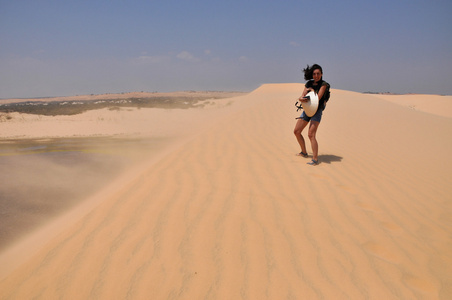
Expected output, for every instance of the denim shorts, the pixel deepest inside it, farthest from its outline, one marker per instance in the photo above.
(317, 117)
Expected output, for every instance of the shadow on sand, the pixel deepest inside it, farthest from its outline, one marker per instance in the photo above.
(329, 158)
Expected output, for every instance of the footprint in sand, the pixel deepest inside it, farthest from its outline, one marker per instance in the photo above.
(381, 252)
(392, 227)
(420, 284)
(367, 206)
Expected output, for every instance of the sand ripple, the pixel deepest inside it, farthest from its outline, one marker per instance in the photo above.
(234, 214)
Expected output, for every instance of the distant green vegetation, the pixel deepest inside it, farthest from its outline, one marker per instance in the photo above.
(55, 108)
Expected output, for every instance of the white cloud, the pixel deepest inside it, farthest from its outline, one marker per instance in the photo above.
(187, 56)
(295, 44)
(243, 58)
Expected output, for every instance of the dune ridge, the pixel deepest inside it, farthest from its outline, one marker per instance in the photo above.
(232, 213)
(434, 104)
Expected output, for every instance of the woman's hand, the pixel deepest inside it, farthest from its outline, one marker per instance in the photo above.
(303, 99)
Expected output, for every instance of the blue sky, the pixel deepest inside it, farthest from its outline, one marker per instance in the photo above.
(57, 48)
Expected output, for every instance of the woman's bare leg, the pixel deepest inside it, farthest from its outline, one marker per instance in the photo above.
(311, 134)
(299, 126)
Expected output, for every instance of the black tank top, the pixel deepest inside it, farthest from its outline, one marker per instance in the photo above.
(320, 83)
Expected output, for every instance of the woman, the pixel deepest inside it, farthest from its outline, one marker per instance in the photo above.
(315, 83)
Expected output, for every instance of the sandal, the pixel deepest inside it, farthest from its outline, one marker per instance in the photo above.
(313, 162)
(302, 154)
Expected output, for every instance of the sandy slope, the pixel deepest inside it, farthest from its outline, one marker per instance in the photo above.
(434, 104)
(233, 214)
(153, 122)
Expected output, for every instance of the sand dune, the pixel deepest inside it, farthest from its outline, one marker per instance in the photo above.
(433, 104)
(232, 213)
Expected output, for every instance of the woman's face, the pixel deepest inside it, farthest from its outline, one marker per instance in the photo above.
(316, 75)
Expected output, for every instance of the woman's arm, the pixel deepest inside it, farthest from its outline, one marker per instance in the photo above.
(321, 91)
(305, 92)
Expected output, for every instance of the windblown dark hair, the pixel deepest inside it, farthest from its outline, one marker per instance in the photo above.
(309, 70)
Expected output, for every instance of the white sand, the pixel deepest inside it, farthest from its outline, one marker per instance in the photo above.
(231, 213)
